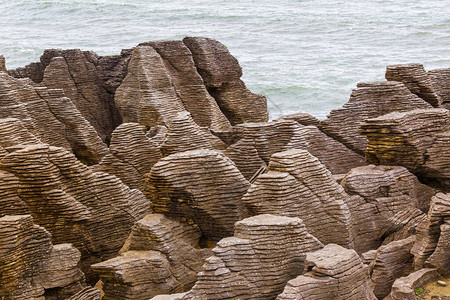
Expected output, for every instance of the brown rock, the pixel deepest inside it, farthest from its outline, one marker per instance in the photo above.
(2, 64)
(201, 185)
(417, 140)
(301, 118)
(332, 273)
(392, 261)
(440, 79)
(298, 185)
(88, 293)
(414, 77)
(112, 69)
(368, 100)
(265, 252)
(221, 72)
(404, 287)
(31, 267)
(158, 258)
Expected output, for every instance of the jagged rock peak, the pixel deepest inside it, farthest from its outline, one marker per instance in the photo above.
(416, 80)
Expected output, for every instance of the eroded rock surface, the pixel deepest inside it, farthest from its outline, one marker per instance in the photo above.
(404, 288)
(265, 252)
(331, 273)
(31, 267)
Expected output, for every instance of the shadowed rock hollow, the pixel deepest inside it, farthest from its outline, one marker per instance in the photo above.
(156, 174)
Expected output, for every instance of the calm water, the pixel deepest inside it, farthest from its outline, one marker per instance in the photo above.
(305, 56)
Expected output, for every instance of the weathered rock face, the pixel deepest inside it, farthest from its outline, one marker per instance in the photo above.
(432, 245)
(332, 273)
(132, 155)
(368, 100)
(31, 267)
(418, 140)
(440, 79)
(94, 211)
(265, 252)
(301, 118)
(2, 64)
(221, 72)
(51, 117)
(392, 261)
(385, 204)
(414, 77)
(201, 185)
(159, 246)
(298, 185)
(404, 288)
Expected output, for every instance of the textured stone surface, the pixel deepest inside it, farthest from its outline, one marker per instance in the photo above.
(440, 79)
(414, 77)
(392, 261)
(368, 100)
(202, 185)
(31, 267)
(221, 72)
(265, 252)
(432, 246)
(404, 288)
(418, 139)
(159, 257)
(385, 203)
(302, 119)
(332, 273)
(87, 293)
(92, 210)
(2, 64)
(51, 117)
(298, 185)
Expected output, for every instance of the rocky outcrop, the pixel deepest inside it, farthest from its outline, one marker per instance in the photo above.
(331, 273)
(201, 185)
(159, 257)
(368, 100)
(440, 79)
(298, 185)
(51, 117)
(31, 267)
(88, 293)
(265, 252)
(2, 64)
(432, 245)
(417, 139)
(414, 77)
(404, 288)
(392, 261)
(94, 211)
(221, 72)
(385, 204)
(301, 118)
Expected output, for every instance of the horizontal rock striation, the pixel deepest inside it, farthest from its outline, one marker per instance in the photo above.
(404, 288)
(265, 252)
(440, 79)
(418, 140)
(298, 185)
(368, 100)
(31, 267)
(332, 273)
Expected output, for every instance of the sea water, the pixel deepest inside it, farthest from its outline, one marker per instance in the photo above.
(304, 55)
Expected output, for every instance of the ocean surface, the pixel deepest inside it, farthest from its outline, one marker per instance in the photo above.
(304, 56)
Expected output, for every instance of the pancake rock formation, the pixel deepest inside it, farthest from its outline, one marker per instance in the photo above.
(155, 173)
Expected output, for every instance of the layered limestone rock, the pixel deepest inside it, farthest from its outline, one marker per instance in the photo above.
(404, 288)
(189, 85)
(385, 204)
(298, 185)
(432, 246)
(221, 75)
(265, 252)
(256, 142)
(368, 100)
(331, 273)
(75, 72)
(2, 64)
(112, 69)
(414, 77)
(92, 210)
(202, 185)
(88, 293)
(301, 118)
(159, 257)
(131, 155)
(31, 267)
(440, 79)
(418, 139)
(51, 117)
(392, 261)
